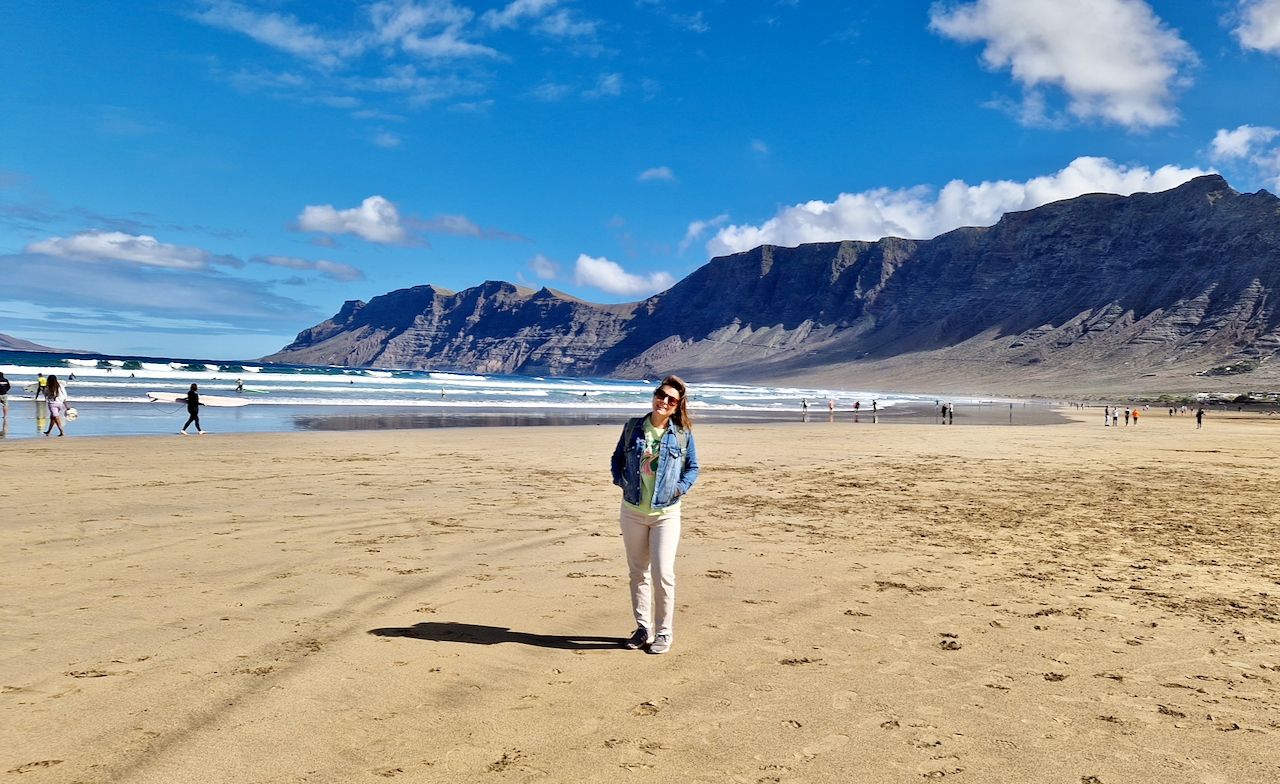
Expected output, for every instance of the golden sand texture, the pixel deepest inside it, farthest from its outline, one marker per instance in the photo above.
(856, 604)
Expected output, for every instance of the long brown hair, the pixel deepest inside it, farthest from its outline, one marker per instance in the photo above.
(681, 415)
(52, 387)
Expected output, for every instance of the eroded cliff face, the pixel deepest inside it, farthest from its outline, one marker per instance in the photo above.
(1145, 285)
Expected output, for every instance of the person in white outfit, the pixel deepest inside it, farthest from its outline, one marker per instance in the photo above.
(655, 464)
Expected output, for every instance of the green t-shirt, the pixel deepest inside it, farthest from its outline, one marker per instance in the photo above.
(649, 471)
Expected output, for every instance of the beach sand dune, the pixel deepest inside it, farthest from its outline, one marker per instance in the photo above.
(857, 603)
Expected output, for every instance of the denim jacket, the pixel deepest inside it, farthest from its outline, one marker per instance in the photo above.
(677, 469)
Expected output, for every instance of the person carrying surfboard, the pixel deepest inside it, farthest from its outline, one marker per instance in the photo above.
(193, 410)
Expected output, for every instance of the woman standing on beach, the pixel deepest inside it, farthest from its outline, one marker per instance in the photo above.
(56, 397)
(655, 465)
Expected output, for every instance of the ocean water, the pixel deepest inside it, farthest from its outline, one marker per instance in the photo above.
(110, 396)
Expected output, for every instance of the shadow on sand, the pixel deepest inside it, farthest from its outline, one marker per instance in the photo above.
(493, 635)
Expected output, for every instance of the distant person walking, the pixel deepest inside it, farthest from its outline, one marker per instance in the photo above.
(56, 398)
(1115, 417)
(655, 464)
(1127, 412)
(804, 406)
(193, 410)
(1106, 416)
(40, 384)
(239, 386)
(1199, 417)
(1135, 417)
(5, 386)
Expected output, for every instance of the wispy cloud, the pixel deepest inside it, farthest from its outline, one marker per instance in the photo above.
(97, 245)
(657, 173)
(698, 228)
(1115, 59)
(122, 294)
(542, 267)
(606, 85)
(283, 32)
(386, 140)
(611, 278)
(330, 269)
(462, 226)
(917, 213)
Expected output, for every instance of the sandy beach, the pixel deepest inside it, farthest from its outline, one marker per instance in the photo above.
(1071, 604)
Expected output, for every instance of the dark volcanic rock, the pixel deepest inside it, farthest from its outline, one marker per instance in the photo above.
(1150, 285)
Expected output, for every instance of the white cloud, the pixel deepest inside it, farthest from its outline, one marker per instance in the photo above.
(282, 32)
(1248, 144)
(542, 267)
(916, 213)
(759, 146)
(97, 245)
(386, 139)
(698, 227)
(375, 220)
(330, 269)
(606, 84)
(513, 12)
(657, 173)
(563, 24)
(1242, 142)
(1259, 26)
(611, 278)
(1115, 59)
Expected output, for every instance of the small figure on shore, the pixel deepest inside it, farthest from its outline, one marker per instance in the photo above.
(1199, 417)
(1135, 417)
(193, 410)
(40, 384)
(5, 386)
(831, 406)
(655, 464)
(804, 406)
(1115, 417)
(1106, 416)
(1127, 412)
(56, 398)
(856, 405)
(239, 386)
(951, 413)
(875, 406)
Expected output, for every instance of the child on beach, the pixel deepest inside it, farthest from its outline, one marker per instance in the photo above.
(655, 465)
(56, 398)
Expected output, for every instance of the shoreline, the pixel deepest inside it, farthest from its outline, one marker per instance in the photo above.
(28, 417)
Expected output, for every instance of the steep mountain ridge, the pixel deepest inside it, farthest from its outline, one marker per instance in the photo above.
(1100, 288)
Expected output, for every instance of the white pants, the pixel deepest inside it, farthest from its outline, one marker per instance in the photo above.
(651, 542)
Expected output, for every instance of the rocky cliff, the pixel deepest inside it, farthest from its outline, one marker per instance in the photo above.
(1100, 291)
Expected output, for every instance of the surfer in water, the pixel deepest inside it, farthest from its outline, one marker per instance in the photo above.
(193, 410)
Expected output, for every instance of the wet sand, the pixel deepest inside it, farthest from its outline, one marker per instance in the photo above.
(882, 604)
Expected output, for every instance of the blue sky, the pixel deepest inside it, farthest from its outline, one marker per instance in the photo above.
(206, 179)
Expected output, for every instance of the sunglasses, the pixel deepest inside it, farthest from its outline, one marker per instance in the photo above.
(663, 397)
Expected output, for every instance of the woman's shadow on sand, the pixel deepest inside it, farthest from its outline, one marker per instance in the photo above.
(493, 635)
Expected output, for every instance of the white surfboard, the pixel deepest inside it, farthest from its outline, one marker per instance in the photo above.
(208, 400)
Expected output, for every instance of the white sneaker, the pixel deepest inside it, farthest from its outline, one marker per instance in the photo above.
(660, 644)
